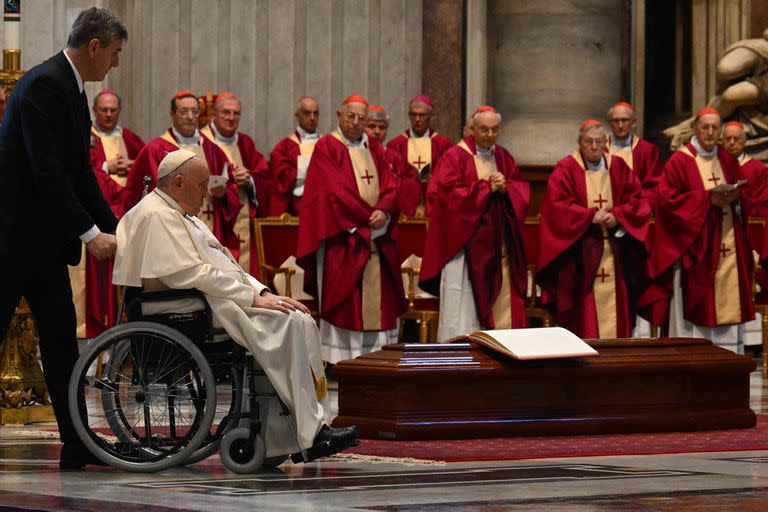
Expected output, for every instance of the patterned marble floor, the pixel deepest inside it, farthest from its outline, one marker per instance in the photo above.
(692, 482)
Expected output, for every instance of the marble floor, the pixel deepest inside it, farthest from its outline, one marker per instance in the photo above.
(722, 481)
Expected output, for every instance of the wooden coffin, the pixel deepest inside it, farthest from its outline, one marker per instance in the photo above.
(461, 390)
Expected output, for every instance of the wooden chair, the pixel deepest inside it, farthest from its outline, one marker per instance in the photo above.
(533, 307)
(756, 236)
(276, 239)
(411, 234)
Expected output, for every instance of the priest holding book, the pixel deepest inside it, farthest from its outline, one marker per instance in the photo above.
(473, 255)
(594, 224)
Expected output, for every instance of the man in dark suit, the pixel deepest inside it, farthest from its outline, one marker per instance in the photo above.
(53, 203)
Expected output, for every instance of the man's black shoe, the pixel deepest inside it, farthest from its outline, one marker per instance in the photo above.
(75, 456)
(329, 441)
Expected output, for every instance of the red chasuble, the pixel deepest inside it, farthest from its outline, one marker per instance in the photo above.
(332, 205)
(754, 196)
(283, 170)
(221, 217)
(571, 248)
(465, 214)
(249, 157)
(409, 188)
(409, 179)
(131, 142)
(690, 230)
(644, 161)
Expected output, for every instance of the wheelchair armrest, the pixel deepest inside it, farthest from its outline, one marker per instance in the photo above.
(134, 305)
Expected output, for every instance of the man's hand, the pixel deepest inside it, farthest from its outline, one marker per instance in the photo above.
(242, 176)
(723, 199)
(119, 165)
(377, 220)
(605, 219)
(498, 182)
(103, 246)
(279, 303)
(218, 192)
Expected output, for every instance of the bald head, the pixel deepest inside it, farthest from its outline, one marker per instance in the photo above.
(226, 114)
(307, 114)
(734, 139)
(622, 120)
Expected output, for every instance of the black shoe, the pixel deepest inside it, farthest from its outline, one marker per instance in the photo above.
(75, 456)
(329, 441)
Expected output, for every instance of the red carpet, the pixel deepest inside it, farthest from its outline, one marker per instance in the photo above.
(571, 446)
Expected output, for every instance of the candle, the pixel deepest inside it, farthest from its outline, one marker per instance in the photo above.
(12, 19)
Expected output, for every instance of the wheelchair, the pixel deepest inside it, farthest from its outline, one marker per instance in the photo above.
(169, 390)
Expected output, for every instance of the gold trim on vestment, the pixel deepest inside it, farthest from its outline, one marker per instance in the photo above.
(77, 280)
(727, 309)
(600, 196)
(624, 153)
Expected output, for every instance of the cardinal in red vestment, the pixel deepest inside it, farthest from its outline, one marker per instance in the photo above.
(114, 147)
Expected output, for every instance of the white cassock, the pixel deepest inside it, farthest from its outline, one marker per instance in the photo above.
(159, 247)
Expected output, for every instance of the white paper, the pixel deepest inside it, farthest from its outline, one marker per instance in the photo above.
(220, 180)
(542, 343)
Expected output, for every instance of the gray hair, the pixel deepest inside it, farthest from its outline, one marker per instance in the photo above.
(96, 23)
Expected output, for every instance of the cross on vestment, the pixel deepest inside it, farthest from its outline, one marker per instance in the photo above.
(724, 250)
(602, 275)
(600, 201)
(714, 179)
(418, 163)
(367, 177)
(208, 212)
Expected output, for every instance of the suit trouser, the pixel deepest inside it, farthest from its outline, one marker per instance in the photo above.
(47, 288)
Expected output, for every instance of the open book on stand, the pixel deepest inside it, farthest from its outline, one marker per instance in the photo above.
(540, 343)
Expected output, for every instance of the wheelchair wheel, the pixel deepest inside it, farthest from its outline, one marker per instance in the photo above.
(153, 404)
(229, 392)
(241, 455)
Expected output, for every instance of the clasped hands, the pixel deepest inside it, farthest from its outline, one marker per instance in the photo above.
(119, 165)
(498, 182)
(605, 219)
(269, 300)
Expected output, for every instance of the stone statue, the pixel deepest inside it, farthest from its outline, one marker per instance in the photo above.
(742, 85)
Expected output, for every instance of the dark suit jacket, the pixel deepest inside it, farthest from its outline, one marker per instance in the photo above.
(50, 195)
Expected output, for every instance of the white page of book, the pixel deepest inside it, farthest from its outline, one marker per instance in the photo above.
(542, 343)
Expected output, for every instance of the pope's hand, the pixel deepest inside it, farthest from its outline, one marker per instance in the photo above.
(103, 246)
(279, 303)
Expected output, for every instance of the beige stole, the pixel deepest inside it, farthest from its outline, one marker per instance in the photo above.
(114, 146)
(502, 307)
(600, 196)
(420, 155)
(367, 178)
(206, 210)
(77, 280)
(727, 309)
(625, 153)
(305, 148)
(243, 222)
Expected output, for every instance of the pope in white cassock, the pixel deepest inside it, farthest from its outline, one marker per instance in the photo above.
(161, 244)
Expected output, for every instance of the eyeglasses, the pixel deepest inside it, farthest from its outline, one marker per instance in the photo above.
(185, 112)
(593, 142)
(351, 116)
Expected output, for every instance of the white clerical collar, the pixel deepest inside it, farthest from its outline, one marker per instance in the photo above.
(221, 138)
(363, 142)
(621, 144)
(413, 135)
(192, 140)
(596, 166)
(485, 152)
(80, 86)
(741, 157)
(700, 150)
(306, 136)
(117, 130)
